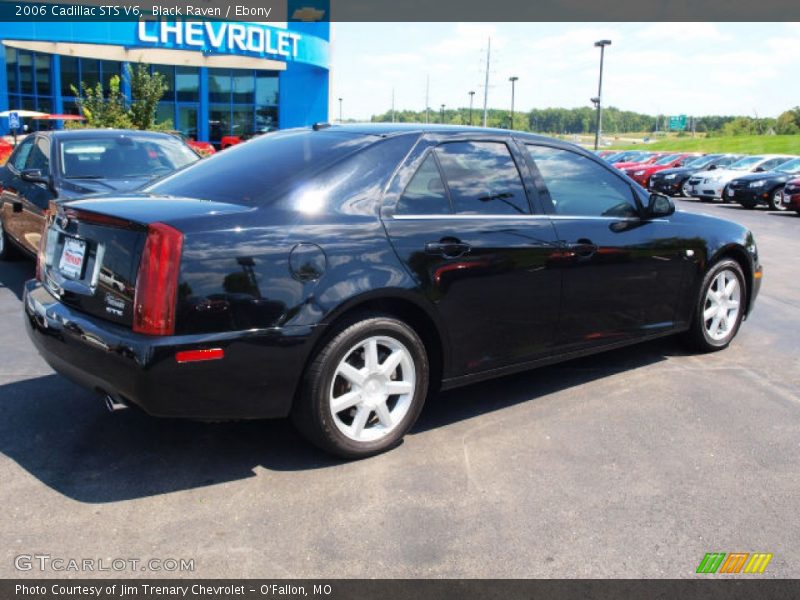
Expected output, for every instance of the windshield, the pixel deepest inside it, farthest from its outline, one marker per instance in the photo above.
(665, 160)
(632, 157)
(793, 166)
(123, 157)
(746, 163)
(701, 161)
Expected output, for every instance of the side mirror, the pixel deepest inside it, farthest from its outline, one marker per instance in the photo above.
(658, 206)
(33, 175)
(712, 167)
(758, 170)
(679, 164)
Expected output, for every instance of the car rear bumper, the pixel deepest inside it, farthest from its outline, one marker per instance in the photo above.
(256, 378)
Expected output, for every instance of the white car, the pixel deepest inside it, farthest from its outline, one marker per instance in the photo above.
(710, 185)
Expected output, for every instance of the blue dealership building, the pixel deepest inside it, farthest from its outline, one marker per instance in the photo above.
(223, 77)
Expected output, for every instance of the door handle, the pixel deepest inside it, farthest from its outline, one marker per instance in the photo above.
(447, 248)
(582, 247)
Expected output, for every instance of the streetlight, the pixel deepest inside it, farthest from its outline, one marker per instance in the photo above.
(513, 80)
(471, 97)
(602, 45)
(340, 110)
(442, 114)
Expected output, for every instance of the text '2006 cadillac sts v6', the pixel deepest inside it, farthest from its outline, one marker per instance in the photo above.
(338, 274)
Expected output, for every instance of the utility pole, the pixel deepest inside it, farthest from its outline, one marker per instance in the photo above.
(513, 80)
(471, 97)
(340, 110)
(427, 97)
(602, 45)
(486, 82)
(441, 115)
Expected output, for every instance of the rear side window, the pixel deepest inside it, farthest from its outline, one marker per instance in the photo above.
(579, 186)
(425, 194)
(482, 178)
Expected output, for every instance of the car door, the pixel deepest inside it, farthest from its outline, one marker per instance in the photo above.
(458, 214)
(623, 274)
(24, 202)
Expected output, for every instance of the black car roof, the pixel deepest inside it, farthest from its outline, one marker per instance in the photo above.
(389, 129)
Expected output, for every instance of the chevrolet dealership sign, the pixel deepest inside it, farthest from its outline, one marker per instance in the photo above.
(222, 37)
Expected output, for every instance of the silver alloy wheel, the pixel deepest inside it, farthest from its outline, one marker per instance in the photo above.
(372, 388)
(721, 308)
(777, 200)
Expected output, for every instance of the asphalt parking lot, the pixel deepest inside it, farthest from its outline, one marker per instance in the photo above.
(634, 463)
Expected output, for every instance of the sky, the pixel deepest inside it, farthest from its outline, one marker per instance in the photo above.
(655, 68)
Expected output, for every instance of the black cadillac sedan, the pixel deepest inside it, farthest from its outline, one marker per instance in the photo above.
(56, 166)
(671, 181)
(764, 187)
(340, 274)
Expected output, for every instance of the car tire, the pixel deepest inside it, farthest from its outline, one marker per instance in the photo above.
(776, 200)
(719, 308)
(359, 366)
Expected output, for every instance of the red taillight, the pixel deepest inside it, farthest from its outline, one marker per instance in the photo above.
(199, 355)
(157, 282)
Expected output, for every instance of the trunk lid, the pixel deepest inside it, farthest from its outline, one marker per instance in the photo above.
(94, 247)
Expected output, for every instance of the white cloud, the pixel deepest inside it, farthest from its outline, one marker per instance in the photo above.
(679, 32)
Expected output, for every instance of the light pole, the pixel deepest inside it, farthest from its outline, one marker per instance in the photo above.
(441, 113)
(513, 80)
(602, 45)
(471, 97)
(340, 110)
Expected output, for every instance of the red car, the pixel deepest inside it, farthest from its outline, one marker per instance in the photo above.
(202, 148)
(641, 173)
(791, 195)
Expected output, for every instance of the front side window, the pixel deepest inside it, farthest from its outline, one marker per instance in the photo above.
(425, 194)
(21, 155)
(579, 186)
(482, 178)
(39, 157)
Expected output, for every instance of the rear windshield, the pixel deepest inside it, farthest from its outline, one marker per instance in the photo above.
(122, 157)
(252, 172)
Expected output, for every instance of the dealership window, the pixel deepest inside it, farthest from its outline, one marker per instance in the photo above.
(187, 84)
(29, 84)
(70, 75)
(482, 178)
(580, 186)
(243, 102)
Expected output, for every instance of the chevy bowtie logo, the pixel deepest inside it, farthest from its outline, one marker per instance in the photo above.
(308, 14)
(755, 563)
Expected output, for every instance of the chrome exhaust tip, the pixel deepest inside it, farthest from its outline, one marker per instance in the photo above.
(114, 405)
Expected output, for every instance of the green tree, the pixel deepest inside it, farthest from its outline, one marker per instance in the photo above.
(146, 92)
(103, 109)
(788, 122)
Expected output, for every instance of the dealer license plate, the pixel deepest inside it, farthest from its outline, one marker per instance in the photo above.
(71, 264)
(730, 192)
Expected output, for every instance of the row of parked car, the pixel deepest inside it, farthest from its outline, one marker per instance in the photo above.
(770, 179)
